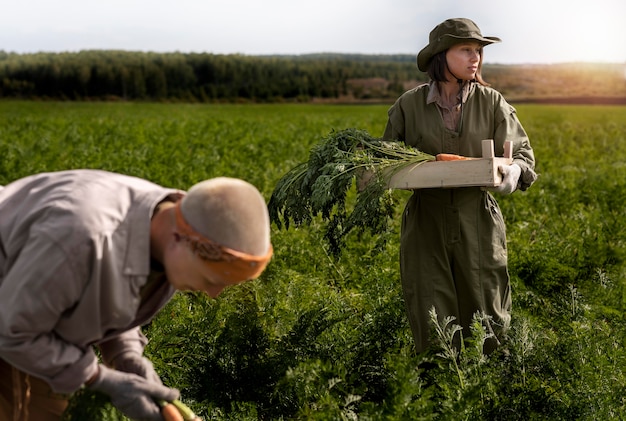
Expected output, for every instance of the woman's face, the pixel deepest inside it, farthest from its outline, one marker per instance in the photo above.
(463, 60)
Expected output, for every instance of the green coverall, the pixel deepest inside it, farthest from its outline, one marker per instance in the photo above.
(453, 253)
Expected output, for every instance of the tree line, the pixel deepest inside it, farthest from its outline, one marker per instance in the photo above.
(99, 74)
(205, 77)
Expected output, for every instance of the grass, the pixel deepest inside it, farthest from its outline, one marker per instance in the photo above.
(322, 339)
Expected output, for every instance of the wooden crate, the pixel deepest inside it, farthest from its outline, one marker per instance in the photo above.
(481, 172)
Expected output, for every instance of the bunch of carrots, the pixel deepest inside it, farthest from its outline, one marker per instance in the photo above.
(319, 186)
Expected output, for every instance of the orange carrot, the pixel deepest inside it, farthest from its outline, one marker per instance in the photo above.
(171, 413)
(451, 157)
(177, 411)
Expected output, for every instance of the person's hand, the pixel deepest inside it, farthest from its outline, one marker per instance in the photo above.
(510, 177)
(132, 362)
(132, 394)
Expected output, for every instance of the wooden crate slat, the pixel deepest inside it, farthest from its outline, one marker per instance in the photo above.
(481, 172)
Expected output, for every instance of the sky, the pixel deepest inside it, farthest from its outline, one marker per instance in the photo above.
(532, 31)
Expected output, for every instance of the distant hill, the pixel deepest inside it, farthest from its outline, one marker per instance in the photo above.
(325, 77)
(564, 82)
(559, 82)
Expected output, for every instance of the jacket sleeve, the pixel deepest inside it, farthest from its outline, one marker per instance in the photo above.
(508, 127)
(40, 286)
(130, 341)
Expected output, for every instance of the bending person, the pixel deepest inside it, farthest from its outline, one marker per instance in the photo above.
(87, 257)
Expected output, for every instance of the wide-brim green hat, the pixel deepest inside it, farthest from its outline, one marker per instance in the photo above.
(449, 33)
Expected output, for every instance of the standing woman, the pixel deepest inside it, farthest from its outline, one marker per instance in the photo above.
(453, 254)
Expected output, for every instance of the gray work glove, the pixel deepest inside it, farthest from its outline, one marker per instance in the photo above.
(132, 362)
(133, 395)
(510, 178)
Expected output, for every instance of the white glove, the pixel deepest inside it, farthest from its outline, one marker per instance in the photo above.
(510, 177)
(133, 395)
(132, 362)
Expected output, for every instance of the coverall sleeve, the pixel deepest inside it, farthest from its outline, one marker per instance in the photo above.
(40, 286)
(394, 130)
(509, 128)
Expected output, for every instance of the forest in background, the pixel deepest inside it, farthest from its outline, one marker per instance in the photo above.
(203, 77)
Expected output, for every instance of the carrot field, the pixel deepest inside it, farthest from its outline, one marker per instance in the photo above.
(324, 338)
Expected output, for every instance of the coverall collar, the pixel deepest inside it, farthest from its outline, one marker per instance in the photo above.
(435, 96)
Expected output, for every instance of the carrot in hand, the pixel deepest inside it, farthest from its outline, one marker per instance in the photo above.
(171, 413)
(177, 411)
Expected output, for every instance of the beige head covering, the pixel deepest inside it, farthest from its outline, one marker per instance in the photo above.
(226, 222)
(230, 212)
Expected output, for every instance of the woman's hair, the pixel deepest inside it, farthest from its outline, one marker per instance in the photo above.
(438, 65)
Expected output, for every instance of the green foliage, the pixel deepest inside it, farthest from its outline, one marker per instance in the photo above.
(321, 185)
(89, 405)
(324, 338)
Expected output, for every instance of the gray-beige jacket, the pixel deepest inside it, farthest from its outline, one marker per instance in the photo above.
(74, 254)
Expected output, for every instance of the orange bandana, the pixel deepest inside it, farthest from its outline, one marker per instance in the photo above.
(231, 265)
